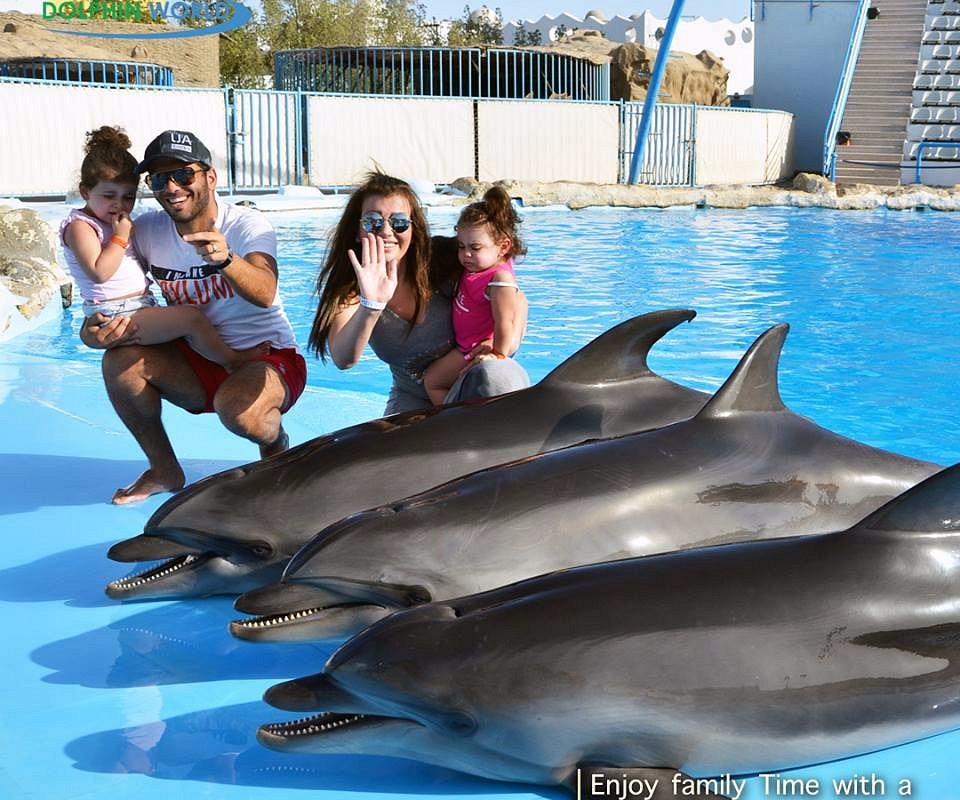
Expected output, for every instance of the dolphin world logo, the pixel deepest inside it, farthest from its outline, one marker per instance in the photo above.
(203, 18)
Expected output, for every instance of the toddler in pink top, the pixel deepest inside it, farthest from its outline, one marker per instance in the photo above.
(485, 308)
(98, 250)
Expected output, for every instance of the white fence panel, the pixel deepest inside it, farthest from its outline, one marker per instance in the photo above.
(267, 143)
(781, 145)
(742, 146)
(43, 129)
(548, 141)
(412, 138)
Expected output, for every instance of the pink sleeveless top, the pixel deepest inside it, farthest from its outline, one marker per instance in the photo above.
(472, 312)
(126, 281)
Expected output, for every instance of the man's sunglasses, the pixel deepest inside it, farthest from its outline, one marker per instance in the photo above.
(183, 176)
(373, 222)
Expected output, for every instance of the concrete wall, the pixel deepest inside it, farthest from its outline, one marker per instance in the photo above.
(797, 61)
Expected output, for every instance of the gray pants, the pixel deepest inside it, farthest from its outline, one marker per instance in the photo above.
(487, 379)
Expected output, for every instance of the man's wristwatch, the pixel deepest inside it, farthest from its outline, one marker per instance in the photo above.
(226, 262)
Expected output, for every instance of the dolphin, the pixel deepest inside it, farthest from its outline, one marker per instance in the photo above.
(745, 467)
(734, 659)
(235, 530)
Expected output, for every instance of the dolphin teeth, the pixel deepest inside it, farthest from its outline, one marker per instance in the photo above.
(277, 619)
(311, 726)
(155, 573)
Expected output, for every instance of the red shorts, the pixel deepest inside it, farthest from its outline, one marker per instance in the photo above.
(288, 362)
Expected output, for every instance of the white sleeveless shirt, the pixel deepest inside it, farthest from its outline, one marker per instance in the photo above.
(128, 280)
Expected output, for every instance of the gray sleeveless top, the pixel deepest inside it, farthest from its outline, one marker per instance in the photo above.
(408, 352)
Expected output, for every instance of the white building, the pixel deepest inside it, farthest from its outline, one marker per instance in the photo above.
(800, 53)
(730, 41)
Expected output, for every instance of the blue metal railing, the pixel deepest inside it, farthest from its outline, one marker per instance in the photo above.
(653, 90)
(468, 73)
(843, 91)
(72, 70)
(669, 158)
(929, 146)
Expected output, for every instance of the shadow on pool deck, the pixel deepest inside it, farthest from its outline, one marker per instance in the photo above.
(177, 643)
(219, 746)
(36, 481)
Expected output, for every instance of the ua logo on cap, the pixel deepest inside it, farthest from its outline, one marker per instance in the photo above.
(181, 141)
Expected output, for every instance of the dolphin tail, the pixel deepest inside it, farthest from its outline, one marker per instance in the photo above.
(753, 384)
(620, 353)
(932, 506)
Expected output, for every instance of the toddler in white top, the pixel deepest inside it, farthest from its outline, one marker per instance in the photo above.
(98, 252)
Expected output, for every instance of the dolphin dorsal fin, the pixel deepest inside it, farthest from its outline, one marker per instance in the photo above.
(753, 384)
(621, 353)
(932, 506)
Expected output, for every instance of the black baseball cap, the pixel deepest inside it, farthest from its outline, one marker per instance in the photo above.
(177, 145)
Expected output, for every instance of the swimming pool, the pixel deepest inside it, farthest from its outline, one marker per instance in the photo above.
(150, 699)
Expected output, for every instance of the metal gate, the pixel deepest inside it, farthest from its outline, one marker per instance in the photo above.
(669, 155)
(266, 139)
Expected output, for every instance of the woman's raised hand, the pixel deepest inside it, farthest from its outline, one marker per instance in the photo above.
(376, 276)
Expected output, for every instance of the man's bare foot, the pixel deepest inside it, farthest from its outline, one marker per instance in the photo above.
(281, 443)
(243, 356)
(151, 482)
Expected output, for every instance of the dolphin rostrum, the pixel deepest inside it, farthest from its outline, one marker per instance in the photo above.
(734, 659)
(235, 531)
(745, 467)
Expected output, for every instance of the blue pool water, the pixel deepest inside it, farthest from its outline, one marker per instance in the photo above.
(156, 699)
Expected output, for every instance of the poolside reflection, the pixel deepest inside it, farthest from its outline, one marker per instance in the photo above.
(219, 746)
(177, 643)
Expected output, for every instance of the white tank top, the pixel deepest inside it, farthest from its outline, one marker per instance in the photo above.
(129, 279)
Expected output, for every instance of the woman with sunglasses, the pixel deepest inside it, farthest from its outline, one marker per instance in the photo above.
(385, 283)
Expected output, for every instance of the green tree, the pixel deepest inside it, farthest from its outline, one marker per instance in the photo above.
(296, 24)
(243, 62)
(479, 30)
(524, 38)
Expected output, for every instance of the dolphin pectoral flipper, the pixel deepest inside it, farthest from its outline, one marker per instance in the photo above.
(620, 353)
(650, 783)
(753, 385)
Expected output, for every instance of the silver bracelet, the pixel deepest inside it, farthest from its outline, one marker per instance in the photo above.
(373, 305)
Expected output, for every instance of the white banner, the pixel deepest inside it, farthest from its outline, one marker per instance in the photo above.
(411, 138)
(548, 140)
(44, 127)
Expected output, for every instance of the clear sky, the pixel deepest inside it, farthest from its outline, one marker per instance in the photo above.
(533, 9)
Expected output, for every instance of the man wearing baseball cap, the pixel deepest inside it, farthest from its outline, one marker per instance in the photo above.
(221, 258)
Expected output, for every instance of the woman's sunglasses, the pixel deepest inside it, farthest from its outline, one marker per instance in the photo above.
(183, 176)
(373, 222)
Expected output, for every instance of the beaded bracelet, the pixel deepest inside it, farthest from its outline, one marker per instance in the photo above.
(373, 305)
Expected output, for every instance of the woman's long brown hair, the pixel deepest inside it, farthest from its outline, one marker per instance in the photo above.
(337, 282)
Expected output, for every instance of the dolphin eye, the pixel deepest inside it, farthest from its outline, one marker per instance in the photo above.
(459, 723)
(261, 550)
